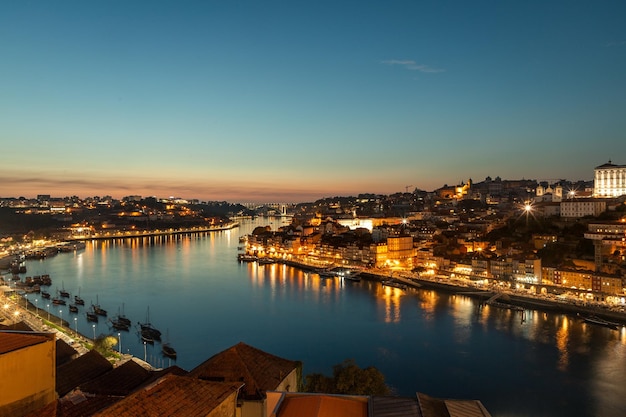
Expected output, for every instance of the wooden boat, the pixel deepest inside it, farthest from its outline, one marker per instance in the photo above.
(92, 316)
(64, 293)
(118, 325)
(73, 308)
(326, 273)
(168, 350)
(122, 318)
(96, 308)
(395, 284)
(58, 301)
(45, 294)
(146, 336)
(601, 322)
(149, 328)
(78, 300)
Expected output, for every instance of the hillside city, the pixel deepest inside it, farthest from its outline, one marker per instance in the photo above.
(552, 244)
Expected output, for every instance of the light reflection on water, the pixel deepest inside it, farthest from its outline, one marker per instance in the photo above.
(443, 345)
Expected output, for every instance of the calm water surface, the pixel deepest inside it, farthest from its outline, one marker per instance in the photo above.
(444, 345)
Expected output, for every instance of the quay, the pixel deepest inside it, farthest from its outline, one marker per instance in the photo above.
(507, 298)
(123, 234)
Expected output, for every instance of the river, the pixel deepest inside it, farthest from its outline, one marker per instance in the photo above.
(444, 345)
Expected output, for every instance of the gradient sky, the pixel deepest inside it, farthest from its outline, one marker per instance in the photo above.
(293, 101)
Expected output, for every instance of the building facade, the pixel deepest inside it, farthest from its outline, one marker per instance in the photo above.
(609, 180)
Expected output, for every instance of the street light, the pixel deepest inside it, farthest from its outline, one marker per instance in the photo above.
(93, 326)
(48, 307)
(145, 354)
(119, 342)
(76, 325)
(37, 306)
(61, 321)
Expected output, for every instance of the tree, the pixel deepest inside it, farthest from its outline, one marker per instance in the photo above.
(348, 379)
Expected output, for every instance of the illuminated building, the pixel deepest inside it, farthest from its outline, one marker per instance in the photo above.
(582, 207)
(609, 180)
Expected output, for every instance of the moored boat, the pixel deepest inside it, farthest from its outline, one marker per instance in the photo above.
(118, 325)
(148, 328)
(78, 300)
(168, 351)
(73, 308)
(92, 316)
(58, 301)
(63, 292)
(601, 322)
(146, 336)
(45, 294)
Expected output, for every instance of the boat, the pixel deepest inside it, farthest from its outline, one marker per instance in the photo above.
(168, 350)
(92, 316)
(148, 328)
(73, 308)
(146, 336)
(242, 257)
(78, 300)
(96, 308)
(46, 280)
(394, 284)
(118, 325)
(266, 261)
(597, 320)
(64, 293)
(58, 301)
(45, 294)
(122, 318)
(326, 273)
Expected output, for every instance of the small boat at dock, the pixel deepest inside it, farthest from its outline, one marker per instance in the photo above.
(394, 284)
(92, 316)
(45, 294)
(73, 308)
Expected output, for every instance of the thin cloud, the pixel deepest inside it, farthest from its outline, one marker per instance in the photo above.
(412, 65)
(618, 43)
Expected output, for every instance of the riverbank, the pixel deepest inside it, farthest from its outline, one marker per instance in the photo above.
(149, 233)
(507, 298)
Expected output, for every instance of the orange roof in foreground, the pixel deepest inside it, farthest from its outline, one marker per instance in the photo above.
(259, 370)
(10, 341)
(312, 405)
(174, 395)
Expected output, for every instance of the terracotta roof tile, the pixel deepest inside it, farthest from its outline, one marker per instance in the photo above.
(259, 370)
(320, 405)
(19, 326)
(174, 396)
(75, 405)
(81, 370)
(10, 341)
(120, 381)
(388, 406)
(64, 352)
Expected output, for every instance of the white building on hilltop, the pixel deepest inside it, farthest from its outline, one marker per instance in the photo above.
(609, 180)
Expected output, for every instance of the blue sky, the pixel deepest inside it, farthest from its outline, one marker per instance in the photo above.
(293, 101)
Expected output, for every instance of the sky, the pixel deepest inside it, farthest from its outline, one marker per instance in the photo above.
(291, 101)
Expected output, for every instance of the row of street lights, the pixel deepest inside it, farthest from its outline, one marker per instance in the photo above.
(93, 326)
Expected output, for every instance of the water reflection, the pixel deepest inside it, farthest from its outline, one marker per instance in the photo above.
(443, 344)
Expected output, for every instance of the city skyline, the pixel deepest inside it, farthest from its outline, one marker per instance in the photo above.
(295, 102)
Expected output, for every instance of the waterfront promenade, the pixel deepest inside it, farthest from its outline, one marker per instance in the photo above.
(506, 297)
